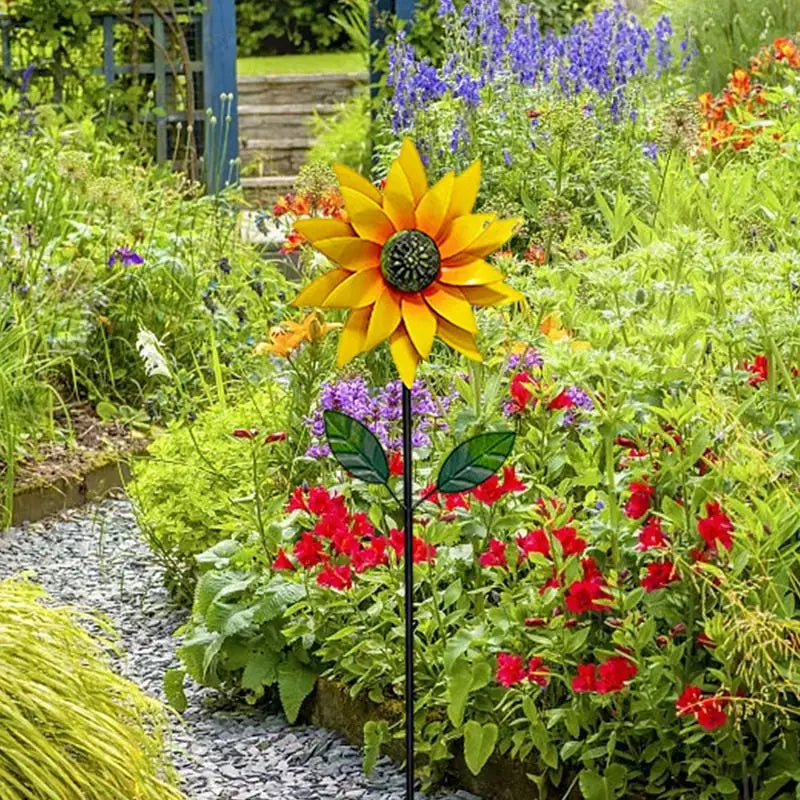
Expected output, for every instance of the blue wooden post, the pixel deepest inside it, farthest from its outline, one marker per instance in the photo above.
(219, 78)
(405, 9)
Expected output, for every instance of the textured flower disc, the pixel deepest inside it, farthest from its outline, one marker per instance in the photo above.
(410, 261)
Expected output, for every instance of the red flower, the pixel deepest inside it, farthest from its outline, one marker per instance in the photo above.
(489, 492)
(571, 543)
(585, 596)
(759, 368)
(457, 500)
(430, 494)
(710, 714)
(520, 391)
(282, 436)
(704, 640)
(360, 525)
(339, 578)
(659, 575)
(590, 570)
(536, 254)
(345, 543)
(715, 527)
(395, 464)
(495, 556)
(282, 561)
(510, 670)
(421, 550)
(614, 673)
(560, 401)
(535, 622)
(308, 551)
(331, 525)
(550, 583)
(297, 502)
(639, 502)
(538, 672)
(688, 700)
(370, 557)
(243, 433)
(511, 483)
(651, 535)
(586, 679)
(318, 500)
(534, 542)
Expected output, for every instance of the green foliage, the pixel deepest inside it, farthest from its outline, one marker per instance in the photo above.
(344, 138)
(303, 26)
(69, 725)
(729, 32)
(199, 473)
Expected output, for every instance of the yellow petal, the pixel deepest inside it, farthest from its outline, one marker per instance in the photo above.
(405, 356)
(367, 217)
(322, 228)
(465, 191)
(420, 323)
(496, 235)
(450, 303)
(398, 200)
(463, 232)
(459, 340)
(359, 290)
(477, 273)
(496, 294)
(414, 169)
(432, 209)
(385, 318)
(354, 335)
(316, 293)
(350, 252)
(352, 180)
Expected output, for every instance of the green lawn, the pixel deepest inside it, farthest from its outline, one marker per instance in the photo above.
(298, 64)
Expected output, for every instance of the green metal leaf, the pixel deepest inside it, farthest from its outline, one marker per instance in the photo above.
(356, 448)
(475, 461)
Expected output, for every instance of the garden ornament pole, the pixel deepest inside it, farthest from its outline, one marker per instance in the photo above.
(409, 268)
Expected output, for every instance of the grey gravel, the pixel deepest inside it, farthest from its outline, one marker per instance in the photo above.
(94, 558)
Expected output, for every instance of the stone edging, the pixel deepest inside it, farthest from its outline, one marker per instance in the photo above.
(503, 778)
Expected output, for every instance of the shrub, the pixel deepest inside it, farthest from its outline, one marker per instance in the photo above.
(70, 726)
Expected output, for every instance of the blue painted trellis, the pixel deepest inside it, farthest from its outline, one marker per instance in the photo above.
(211, 67)
(379, 10)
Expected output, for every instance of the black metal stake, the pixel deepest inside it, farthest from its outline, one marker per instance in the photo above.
(408, 512)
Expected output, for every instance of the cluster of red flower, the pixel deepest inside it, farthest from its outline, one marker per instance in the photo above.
(511, 670)
(307, 204)
(610, 676)
(744, 96)
(707, 711)
(341, 542)
(522, 388)
(488, 493)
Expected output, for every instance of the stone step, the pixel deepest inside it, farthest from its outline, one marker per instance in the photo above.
(261, 192)
(316, 88)
(287, 121)
(274, 156)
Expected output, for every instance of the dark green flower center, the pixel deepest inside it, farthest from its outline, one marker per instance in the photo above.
(410, 261)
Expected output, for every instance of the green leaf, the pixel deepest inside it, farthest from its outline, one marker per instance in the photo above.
(356, 448)
(261, 670)
(475, 461)
(375, 734)
(726, 786)
(593, 787)
(173, 689)
(295, 683)
(479, 744)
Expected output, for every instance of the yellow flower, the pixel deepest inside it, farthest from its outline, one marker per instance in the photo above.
(287, 337)
(552, 328)
(410, 262)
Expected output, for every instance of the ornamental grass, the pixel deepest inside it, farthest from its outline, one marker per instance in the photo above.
(70, 727)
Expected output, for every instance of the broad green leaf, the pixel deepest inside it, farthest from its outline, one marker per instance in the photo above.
(459, 685)
(261, 670)
(475, 461)
(356, 448)
(173, 689)
(295, 683)
(593, 786)
(479, 743)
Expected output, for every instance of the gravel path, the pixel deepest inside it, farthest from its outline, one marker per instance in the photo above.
(94, 558)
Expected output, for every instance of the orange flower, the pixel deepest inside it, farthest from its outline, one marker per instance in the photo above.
(786, 50)
(301, 205)
(292, 243)
(740, 82)
(287, 337)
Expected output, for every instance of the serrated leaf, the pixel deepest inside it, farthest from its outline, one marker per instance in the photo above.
(173, 689)
(475, 461)
(479, 743)
(356, 448)
(295, 683)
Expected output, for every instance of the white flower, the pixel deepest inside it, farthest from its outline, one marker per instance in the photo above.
(150, 350)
